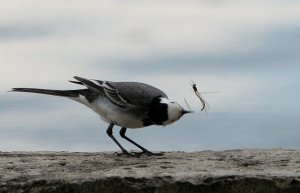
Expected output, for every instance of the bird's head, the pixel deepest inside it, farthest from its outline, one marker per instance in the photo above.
(174, 111)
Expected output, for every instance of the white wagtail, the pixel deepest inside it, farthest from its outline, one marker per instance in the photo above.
(125, 104)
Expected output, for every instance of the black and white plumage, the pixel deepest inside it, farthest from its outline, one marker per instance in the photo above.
(125, 104)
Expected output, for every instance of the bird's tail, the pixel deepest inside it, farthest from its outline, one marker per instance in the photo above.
(63, 93)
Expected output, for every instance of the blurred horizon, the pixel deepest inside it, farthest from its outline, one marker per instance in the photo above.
(247, 50)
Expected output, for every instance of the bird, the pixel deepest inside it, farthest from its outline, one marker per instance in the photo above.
(124, 104)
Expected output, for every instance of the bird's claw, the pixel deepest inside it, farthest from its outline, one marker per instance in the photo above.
(138, 154)
(148, 153)
(126, 153)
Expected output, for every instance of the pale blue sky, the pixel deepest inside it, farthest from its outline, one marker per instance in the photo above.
(248, 50)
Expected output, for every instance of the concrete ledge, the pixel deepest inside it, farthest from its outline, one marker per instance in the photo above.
(247, 171)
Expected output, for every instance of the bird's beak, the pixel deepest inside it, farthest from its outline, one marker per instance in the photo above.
(185, 111)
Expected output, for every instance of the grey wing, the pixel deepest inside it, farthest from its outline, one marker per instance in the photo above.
(135, 93)
(123, 94)
(103, 88)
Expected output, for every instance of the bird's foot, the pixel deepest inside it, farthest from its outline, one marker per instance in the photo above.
(126, 153)
(148, 153)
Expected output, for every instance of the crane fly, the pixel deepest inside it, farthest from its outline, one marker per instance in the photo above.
(194, 86)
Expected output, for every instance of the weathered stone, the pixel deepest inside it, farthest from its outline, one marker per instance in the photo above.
(247, 171)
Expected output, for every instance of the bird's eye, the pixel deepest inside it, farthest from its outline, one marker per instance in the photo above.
(172, 102)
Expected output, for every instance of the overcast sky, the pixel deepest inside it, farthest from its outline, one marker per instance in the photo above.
(247, 50)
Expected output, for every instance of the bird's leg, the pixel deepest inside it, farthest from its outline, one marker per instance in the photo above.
(144, 150)
(109, 132)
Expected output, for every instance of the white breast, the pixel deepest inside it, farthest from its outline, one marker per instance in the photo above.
(111, 113)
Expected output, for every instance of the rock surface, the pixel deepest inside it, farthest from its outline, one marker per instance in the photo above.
(246, 171)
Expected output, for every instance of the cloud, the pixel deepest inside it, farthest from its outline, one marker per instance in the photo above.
(170, 35)
(17, 31)
(275, 48)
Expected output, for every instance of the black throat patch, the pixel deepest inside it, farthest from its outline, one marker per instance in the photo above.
(158, 113)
